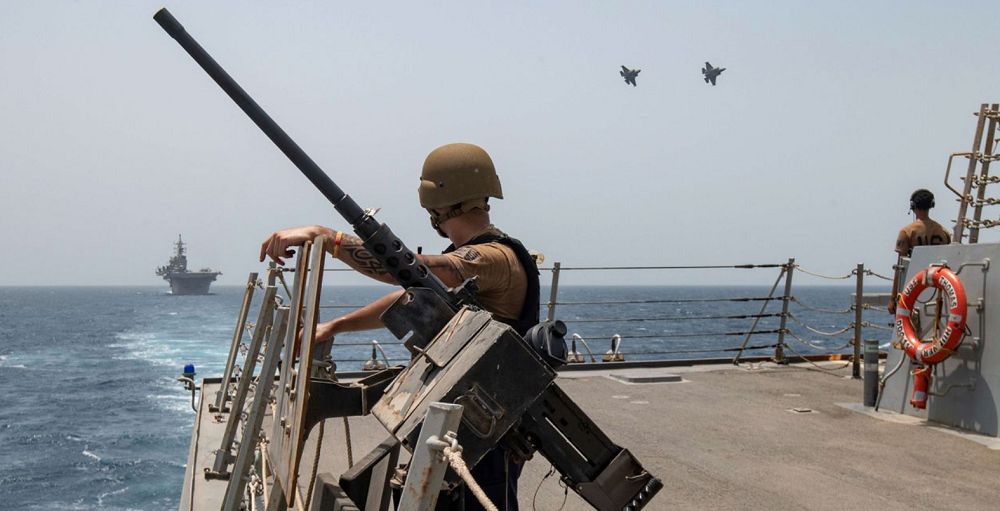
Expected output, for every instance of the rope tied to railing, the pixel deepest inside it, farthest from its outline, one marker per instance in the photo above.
(819, 332)
(874, 308)
(825, 311)
(830, 277)
(873, 274)
(866, 324)
(453, 454)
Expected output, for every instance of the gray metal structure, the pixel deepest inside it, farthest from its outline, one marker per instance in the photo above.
(222, 396)
(983, 145)
(252, 431)
(224, 455)
(182, 281)
(427, 466)
(963, 391)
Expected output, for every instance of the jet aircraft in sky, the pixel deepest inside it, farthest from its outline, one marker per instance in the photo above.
(629, 74)
(711, 73)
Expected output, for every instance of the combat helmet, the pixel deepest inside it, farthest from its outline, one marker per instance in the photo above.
(460, 177)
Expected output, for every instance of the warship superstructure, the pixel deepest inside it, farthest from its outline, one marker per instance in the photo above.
(182, 281)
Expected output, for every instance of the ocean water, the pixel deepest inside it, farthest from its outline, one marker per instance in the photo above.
(91, 416)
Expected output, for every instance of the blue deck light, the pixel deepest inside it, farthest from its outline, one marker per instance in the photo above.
(189, 371)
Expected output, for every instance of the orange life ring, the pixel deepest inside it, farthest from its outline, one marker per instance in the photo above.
(936, 350)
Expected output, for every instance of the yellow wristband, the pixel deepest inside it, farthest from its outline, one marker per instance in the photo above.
(336, 243)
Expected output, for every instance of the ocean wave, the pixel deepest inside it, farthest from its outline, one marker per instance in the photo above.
(172, 402)
(100, 498)
(90, 455)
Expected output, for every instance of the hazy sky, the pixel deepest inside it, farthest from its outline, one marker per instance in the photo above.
(113, 141)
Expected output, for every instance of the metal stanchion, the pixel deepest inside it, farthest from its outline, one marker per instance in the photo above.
(779, 351)
(858, 309)
(554, 292)
(871, 372)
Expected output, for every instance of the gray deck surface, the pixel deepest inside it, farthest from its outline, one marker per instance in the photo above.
(725, 439)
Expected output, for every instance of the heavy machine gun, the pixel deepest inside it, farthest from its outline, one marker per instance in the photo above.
(456, 348)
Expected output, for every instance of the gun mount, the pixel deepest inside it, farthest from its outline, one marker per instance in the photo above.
(456, 348)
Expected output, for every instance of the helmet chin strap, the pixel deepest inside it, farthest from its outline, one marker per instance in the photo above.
(456, 211)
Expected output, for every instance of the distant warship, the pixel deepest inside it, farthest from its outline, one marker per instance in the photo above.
(182, 281)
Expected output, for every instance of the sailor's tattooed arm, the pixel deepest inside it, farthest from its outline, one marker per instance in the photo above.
(442, 267)
(353, 253)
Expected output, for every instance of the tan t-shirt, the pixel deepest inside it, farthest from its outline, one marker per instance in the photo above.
(502, 281)
(920, 233)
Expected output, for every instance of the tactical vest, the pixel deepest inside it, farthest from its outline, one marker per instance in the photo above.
(529, 311)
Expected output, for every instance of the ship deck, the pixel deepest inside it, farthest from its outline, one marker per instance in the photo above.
(727, 437)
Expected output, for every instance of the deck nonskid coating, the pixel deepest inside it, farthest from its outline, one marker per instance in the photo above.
(725, 439)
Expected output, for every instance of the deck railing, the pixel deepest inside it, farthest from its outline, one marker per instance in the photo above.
(581, 349)
(766, 326)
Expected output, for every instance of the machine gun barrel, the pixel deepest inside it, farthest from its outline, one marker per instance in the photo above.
(345, 204)
(390, 251)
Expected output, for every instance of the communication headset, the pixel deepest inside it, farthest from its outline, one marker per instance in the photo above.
(922, 195)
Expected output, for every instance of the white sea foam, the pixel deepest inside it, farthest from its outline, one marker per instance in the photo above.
(91, 455)
(100, 498)
(172, 402)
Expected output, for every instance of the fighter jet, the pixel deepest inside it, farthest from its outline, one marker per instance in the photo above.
(629, 74)
(711, 73)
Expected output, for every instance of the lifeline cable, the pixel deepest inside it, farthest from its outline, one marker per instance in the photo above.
(873, 274)
(825, 370)
(707, 334)
(820, 332)
(866, 324)
(670, 318)
(701, 267)
(715, 350)
(694, 300)
(821, 348)
(824, 311)
(828, 277)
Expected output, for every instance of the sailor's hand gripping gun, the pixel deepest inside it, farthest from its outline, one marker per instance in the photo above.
(457, 348)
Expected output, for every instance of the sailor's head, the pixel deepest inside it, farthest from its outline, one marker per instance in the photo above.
(921, 200)
(457, 179)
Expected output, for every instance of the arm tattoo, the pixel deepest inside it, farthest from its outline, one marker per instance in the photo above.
(440, 266)
(355, 255)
